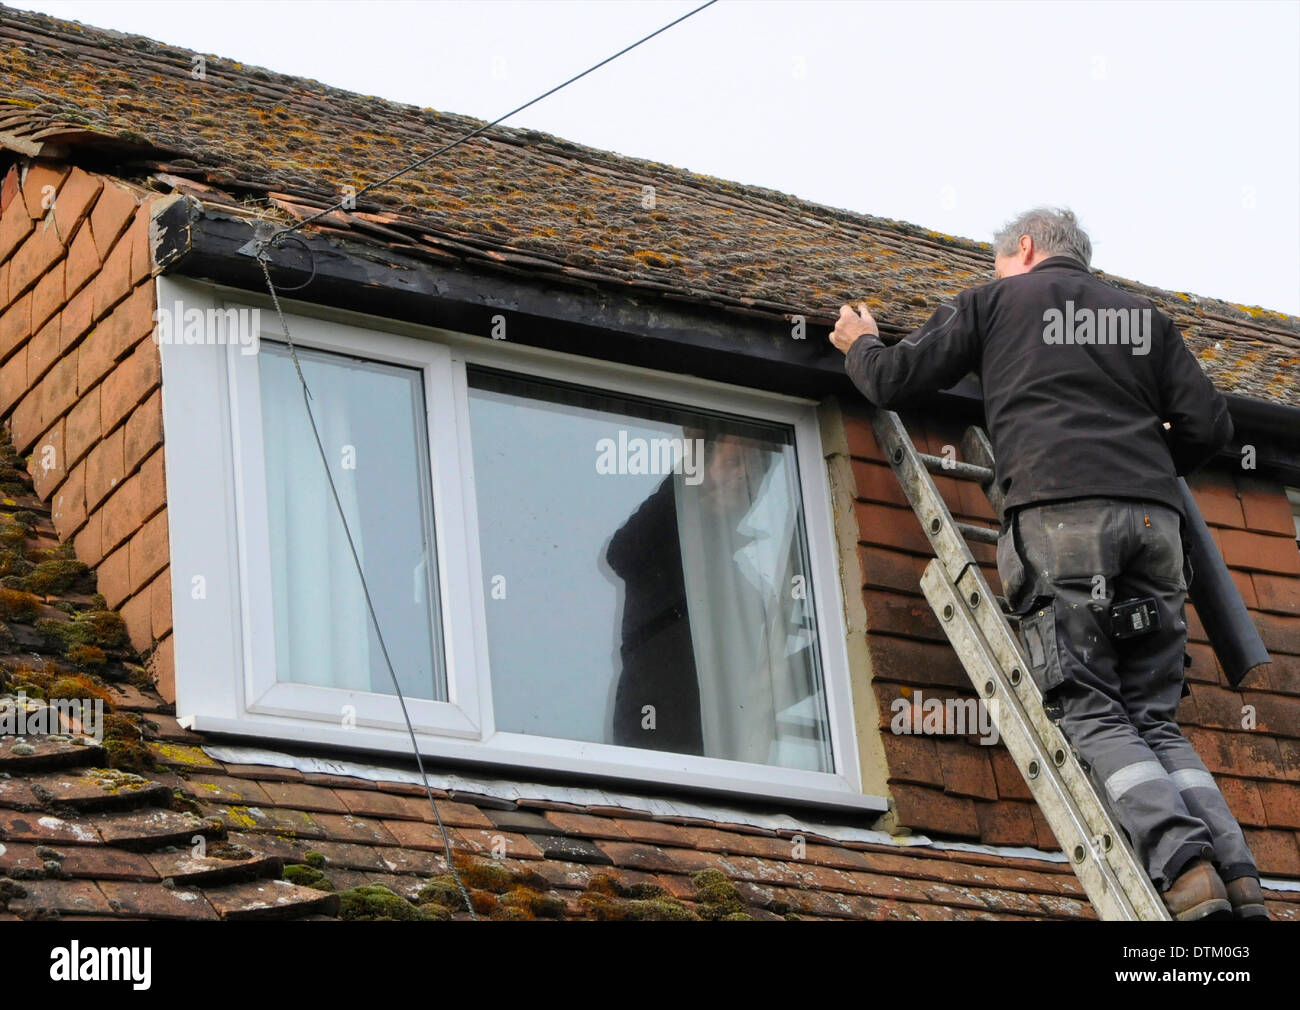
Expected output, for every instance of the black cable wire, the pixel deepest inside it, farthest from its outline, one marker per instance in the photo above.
(260, 255)
(370, 605)
(487, 126)
(310, 255)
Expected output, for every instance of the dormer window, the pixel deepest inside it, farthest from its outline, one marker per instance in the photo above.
(573, 565)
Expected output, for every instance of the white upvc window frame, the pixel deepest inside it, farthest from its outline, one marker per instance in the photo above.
(220, 558)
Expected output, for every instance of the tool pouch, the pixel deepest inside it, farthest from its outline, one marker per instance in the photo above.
(1134, 618)
(1038, 635)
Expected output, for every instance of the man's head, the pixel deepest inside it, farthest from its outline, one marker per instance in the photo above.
(1037, 235)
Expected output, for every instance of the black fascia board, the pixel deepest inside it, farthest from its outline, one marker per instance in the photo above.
(665, 331)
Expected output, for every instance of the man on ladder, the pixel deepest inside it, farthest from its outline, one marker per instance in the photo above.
(1095, 407)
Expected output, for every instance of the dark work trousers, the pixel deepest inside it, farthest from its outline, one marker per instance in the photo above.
(1063, 564)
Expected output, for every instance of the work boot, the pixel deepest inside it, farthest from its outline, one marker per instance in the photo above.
(1198, 893)
(1247, 899)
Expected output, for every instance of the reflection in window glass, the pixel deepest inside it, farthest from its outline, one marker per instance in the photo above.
(371, 419)
(646, 572)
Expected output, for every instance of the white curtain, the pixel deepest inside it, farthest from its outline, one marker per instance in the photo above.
(739, 566)
(322, 624)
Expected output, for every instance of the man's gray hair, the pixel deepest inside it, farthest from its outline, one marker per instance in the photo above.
(1055, 232)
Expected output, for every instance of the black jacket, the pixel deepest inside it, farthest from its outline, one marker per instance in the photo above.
(657, 651)
(1068, 418)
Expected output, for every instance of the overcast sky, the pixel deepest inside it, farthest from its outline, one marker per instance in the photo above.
(1172, 129)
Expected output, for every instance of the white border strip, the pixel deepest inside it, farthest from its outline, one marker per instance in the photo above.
(513, 790)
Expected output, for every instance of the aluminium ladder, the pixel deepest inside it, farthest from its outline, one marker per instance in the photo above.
(990, 651)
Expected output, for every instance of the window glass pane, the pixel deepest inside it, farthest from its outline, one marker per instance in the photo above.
(372, 425)
(646, 572)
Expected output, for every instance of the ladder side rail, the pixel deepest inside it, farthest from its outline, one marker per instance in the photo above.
(978, 450)
(976, 597)
(991, 655)
(1042, 775)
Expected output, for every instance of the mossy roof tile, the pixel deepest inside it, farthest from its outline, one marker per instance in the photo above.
(288, 146)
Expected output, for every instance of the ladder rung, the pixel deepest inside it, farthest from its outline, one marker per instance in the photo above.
(955, 468)
(981, 533)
